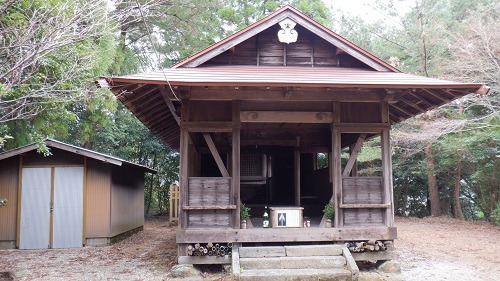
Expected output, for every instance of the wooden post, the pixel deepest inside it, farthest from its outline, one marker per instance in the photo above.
(235, 183)
(387, 166)
(387, 173)
(337, 176)
(183, 166)
(297, 176)
(183, 178)
(336, 168)
(235, 166)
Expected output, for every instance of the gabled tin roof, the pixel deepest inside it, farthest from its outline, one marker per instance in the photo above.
(76, 150)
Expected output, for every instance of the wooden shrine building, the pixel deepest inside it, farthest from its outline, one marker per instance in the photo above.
(250, 114)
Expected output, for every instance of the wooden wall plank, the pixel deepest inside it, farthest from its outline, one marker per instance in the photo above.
(362, 190)
(363, 217)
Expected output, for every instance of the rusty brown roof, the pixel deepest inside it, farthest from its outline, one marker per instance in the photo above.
(291, 76)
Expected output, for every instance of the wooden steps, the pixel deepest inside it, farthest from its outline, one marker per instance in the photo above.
(311, 262)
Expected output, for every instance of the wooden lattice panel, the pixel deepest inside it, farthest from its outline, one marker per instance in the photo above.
(251, 165)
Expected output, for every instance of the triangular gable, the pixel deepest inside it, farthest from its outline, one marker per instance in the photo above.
(273, 20)
(76, 150)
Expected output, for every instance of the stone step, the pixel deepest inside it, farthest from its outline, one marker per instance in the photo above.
(262, 252)
(293, 262)
(334, 274)
(291, 251)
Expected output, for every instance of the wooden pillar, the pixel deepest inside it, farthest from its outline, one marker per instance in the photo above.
(297, 176)
(183, 166)
(235, 165)
(387, 166)
(337, 175)
(235, 183)
(336, 167)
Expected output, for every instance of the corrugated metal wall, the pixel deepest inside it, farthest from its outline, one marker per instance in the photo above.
(9, 178)
(68, 207)
(98, 198)
(127, 199)
(35, 212)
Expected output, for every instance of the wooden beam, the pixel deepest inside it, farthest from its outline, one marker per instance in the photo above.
(444, 100)
(354, 155)
(135, 97)
(405, 101)
(169, 103)
(213, 207)
(313, 234)
(269, 142)
(285, 117)
(364, 206)
(410, 114)
(210, 127)
(354, 170)
(276, 94)
(215, 154)
(361, 127)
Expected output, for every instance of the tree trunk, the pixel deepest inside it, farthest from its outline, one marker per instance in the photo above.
(432, 183)
(457, 206)
(150, 194)
(405, 198)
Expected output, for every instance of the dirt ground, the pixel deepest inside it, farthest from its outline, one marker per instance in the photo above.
(427, 249)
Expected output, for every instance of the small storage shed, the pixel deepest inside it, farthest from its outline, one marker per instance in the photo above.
(72, 198)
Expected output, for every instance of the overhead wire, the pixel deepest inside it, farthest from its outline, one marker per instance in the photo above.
(157, 53)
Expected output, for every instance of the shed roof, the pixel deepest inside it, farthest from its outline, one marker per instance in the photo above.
(76, 150)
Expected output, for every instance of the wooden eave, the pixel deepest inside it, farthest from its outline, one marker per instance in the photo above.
(408, 95)
(76, 150)
(273, 19)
